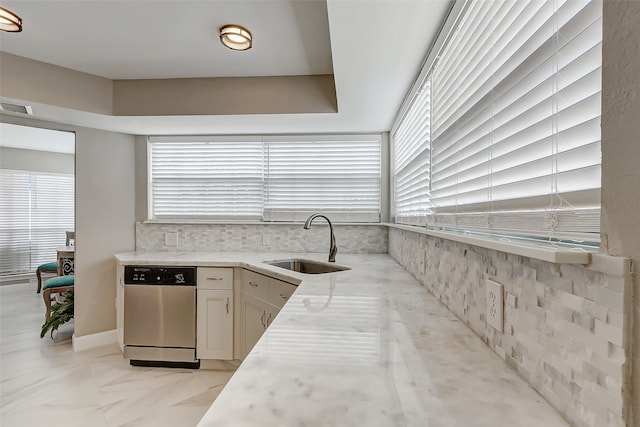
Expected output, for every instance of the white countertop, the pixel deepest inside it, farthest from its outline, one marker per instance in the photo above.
(364, 347)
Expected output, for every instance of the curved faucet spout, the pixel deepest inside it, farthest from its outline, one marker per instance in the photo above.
(333, 249)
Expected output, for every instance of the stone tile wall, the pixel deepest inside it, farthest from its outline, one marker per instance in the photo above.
(566, 327)
(263, 238)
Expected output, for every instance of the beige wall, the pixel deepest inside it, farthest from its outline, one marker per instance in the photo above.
(30, 81)
(105, 203)
(621, 151)
(225, 95)
(34, 160)
(35, 81)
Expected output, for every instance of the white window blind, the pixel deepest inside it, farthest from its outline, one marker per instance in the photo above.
(15, 257)
(516, 119)
(412, 140)
(338, 176)
(206, 179)
(277, 178)
(36, 209)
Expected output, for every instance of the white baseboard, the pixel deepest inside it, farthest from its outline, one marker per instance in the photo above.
(87, 342)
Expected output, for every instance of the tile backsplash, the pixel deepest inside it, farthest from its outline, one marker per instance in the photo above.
(566, 327)
(266, 237)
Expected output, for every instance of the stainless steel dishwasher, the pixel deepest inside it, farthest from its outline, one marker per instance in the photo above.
(160, 316)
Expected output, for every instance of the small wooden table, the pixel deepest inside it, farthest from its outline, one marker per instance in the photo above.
(66, 258)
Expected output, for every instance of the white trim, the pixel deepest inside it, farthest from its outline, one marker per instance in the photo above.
(14, 279)
(178, 221)
(265, 138)
(88, 342)
(542, 251)
(203, 138)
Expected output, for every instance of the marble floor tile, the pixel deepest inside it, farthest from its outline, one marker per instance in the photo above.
(44, 383)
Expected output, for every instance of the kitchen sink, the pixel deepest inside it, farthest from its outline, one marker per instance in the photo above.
(307, 266)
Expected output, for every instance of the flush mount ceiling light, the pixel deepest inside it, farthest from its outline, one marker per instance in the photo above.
(235, 37)
(9, 21)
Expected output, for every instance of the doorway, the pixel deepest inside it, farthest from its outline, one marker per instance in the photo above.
(37, 197)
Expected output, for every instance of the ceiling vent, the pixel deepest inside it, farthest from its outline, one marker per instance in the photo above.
(16, 108)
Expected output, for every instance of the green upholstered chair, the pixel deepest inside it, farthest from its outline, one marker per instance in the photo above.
(52, 267)
(49, 267)
(56, 285)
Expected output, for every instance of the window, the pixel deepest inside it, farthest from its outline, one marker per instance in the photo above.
(412, 161)
(36, 209)
(515, 120)
(338, 176)
(215, 178)
(278, 178)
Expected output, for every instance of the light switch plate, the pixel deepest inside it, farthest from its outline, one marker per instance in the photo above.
(495, 305)
(171, 238)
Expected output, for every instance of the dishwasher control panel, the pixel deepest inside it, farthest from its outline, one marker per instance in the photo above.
(152, 275)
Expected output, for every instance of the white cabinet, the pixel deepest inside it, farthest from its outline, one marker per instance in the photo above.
(262, 299)
(254, 320)
(214, 308)
(258, 300)
(214, 339)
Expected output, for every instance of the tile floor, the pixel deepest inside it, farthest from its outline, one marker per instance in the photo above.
(44, 383)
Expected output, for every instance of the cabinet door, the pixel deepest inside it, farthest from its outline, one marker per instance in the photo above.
(272, 312)
(254, 321)
(215, 324)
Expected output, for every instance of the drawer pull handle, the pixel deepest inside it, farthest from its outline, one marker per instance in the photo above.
(214, 278)
(283, 296)
(269, 319)
(255, 285)
(227, 305)
(264, 325)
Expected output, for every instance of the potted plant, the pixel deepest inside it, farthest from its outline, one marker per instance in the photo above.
(61, 313)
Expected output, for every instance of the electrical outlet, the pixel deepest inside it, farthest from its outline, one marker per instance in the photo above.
(171, 238)
(495, 305)
(265, 240)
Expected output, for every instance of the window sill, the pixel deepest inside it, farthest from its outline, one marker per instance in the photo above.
(250, 222)
(543, 251)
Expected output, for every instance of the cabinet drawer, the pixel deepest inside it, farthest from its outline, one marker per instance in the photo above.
(215, 278)
(279, 292)
(255, 284)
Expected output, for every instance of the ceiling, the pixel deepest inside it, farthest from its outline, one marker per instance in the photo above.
(373, 47)
(168, 39)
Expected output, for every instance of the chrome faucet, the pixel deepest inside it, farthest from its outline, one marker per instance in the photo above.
(332, 248)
